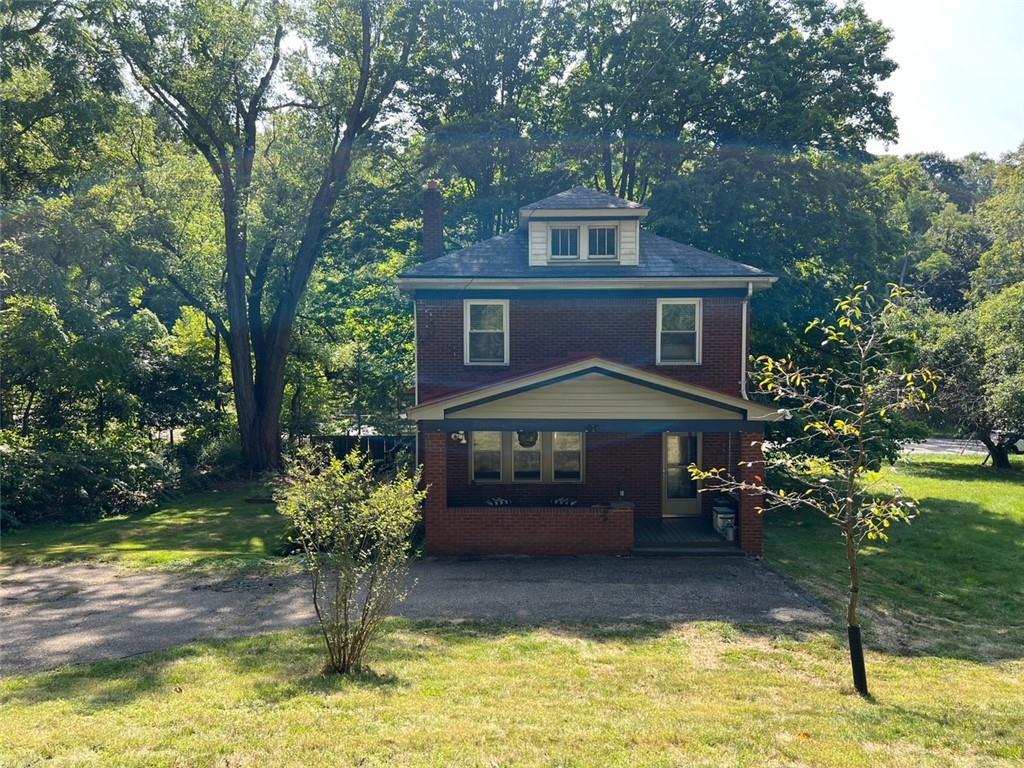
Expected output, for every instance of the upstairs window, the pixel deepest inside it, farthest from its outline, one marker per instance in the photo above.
(486, 340)
(601, 243)
(565, 243)
(679, 326)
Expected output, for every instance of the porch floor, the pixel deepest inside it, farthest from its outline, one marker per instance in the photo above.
(693, 535)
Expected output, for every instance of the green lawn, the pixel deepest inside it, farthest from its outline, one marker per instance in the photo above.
(950, 582)
(216, 527)
(946, 668)
(697, 695)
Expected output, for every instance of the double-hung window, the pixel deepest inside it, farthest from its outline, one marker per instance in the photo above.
(526, 457)
(566, 456)
(679, 326)
(486, 332)
(565, 243)
(601, 242)
(487, 457)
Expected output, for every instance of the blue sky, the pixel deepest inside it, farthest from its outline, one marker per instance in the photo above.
(960, 83)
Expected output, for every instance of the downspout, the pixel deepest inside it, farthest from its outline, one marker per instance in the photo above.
(743, 344)
(415, 353)
(416, 380)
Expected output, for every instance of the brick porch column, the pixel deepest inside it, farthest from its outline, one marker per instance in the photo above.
(435, 477)
(751, 521)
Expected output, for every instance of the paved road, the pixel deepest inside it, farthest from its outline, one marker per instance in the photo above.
(51, 616)
(948, 446)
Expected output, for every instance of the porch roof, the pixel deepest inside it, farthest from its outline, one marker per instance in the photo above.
(593, 394)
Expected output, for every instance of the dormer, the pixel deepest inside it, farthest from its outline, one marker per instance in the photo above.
(583, 226)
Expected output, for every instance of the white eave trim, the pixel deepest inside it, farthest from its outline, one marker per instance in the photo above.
(436, 408)
(582, 283)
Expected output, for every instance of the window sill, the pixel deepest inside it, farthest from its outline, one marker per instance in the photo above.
(673, 363)
(469, 364)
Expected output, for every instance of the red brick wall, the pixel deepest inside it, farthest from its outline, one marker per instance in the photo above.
(751, 520)
(435, 470)
(531, 530)
(550, 332)
(458, 521)
(613, 462)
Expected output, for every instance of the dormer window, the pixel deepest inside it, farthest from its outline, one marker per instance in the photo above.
(601, 244)
(583, 227)
(565, 243)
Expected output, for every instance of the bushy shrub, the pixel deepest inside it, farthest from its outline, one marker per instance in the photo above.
(71, 476)
(354, 531)
(209, 451)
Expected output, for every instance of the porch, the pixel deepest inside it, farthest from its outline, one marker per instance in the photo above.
(507, 475)
(680, 535)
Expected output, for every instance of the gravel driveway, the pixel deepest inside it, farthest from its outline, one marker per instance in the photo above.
(51, 616)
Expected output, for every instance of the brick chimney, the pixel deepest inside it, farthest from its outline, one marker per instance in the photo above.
(433, 221)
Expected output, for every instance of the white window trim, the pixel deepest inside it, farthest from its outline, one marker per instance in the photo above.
(583, 243)
(580, 248)
(699, 304)
(503, 303)
(547, 457)
(614, 256)
(501, 459)
(550, 454)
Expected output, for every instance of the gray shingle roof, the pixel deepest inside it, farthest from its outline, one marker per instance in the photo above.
(581, 197)
(505, 256)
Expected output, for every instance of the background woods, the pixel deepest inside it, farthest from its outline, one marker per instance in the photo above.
(204, 203)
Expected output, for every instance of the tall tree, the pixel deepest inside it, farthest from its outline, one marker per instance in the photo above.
(484, 96)
(657, 83)
(979, 353)
(216, 70)
(817, 222)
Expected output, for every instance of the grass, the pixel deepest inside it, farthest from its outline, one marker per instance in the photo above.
(951, 582)
(700, 694)
(207, 528)
(946, 667)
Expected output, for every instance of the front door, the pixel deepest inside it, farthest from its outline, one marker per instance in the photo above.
(679, 491)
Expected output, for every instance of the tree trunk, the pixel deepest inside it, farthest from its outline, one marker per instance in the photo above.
(860, 675)
(27, 413)
(1000, 455)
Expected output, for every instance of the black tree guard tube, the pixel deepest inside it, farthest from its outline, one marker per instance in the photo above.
(860, 675)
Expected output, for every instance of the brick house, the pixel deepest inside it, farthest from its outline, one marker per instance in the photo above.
(567, 375)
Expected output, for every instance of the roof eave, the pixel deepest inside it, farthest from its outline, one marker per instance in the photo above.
(417, 282)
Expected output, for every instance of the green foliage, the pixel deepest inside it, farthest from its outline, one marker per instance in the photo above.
(70, 476)
(1003, 215)
(59, 87)
(818, 223)
(354, 530)
(980, 354)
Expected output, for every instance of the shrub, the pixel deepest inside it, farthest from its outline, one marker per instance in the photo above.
(72, 476)
(209, 451)
(354, 531)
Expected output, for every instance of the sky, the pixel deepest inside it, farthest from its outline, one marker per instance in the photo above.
(960, 83)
